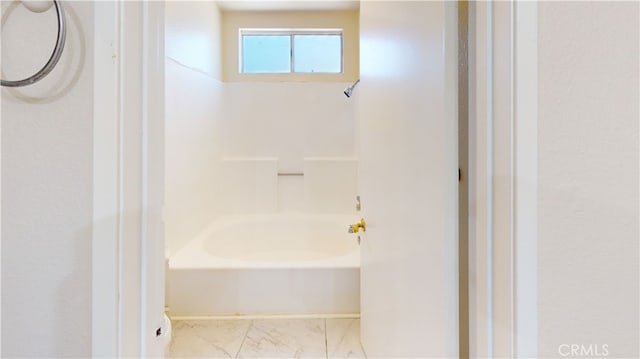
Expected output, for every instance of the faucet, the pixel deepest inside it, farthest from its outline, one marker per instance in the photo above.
(356, 227)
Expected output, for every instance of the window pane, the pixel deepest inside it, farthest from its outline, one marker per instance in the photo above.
(317, 53)
(266, 53)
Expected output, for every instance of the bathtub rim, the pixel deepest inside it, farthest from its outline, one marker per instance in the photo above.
(193, 256)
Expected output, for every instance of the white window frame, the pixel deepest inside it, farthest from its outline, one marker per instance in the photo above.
(291, 33)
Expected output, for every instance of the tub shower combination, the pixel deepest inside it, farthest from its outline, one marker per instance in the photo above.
(272, 264)
(281, 263)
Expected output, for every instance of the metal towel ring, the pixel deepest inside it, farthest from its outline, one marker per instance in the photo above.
(55, 56)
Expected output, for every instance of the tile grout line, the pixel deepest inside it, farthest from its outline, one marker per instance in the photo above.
(326, 346)
(244, 338)
(360, 339)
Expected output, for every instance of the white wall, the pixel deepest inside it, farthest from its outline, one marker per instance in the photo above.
(588, 177)
(47, 181)
(193, 118)
(303, 128)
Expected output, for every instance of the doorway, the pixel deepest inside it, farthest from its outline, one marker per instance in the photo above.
(367, 95)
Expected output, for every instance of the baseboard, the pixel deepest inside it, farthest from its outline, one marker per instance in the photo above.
(266, 316)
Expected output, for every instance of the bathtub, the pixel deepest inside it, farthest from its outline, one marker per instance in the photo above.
(268, 265)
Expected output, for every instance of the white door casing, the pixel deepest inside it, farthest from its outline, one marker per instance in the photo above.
(128, 238)
(409, 254)
(503, 177)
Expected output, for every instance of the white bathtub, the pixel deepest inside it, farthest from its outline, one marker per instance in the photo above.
(262, 265)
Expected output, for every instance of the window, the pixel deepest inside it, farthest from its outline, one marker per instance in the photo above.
(291, 51)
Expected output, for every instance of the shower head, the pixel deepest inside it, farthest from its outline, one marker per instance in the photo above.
(349, 90)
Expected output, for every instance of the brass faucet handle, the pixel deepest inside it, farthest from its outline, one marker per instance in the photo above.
(356, 227)
(363, 225)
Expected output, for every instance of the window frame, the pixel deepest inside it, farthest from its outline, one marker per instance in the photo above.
(291, 33)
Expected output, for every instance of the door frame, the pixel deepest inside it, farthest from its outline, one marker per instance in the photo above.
(128, 189)
(503, 179)
(127, 196)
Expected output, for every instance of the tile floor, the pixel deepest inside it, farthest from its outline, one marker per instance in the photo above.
(267, 339)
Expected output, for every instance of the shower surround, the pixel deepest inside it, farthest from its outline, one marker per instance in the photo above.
(285, 189)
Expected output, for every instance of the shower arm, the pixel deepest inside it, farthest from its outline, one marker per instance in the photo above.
(349, 90)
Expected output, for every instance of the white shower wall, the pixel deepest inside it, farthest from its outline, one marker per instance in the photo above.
(194, 112)
(226, 142)
(304, 129)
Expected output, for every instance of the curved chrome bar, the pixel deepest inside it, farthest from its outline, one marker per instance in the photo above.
(55, 56)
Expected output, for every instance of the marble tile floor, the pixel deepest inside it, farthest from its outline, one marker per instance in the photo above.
(266, 339)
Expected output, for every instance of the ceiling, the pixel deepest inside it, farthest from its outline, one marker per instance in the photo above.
(288, 5)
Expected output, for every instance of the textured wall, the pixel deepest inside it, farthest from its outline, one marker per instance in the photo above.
(588, 177)
(47, 186)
